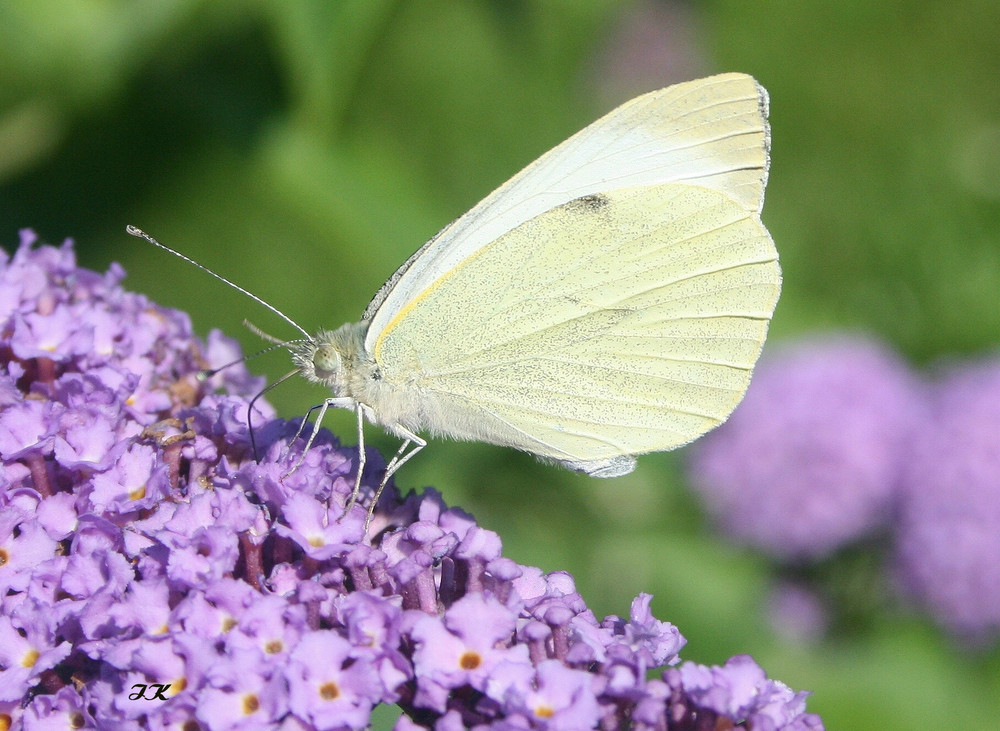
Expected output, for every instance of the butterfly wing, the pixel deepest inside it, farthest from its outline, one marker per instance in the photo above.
(711, 132)
(615, 324)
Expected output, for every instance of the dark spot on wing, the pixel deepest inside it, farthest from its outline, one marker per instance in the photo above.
(588, 203)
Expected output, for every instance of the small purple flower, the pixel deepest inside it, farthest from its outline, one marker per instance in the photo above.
(328, 686)
(28, 647)
(64, 709)
(24, 544)
(463, 647)
(85, 440)
(56, 335)
(26, 427)
(136, 481)
(812, 458)
(317, 528)
(154, 575)
(269, 625)
(241, 695)
(948, 532)
(559, 699)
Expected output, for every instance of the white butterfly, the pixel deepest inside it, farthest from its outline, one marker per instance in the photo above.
(610, 299)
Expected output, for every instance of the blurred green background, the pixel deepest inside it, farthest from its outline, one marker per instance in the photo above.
(306, 148)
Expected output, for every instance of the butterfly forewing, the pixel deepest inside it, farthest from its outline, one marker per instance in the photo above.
(710, 132)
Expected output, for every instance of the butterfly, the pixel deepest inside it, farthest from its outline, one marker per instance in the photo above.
(609, 300)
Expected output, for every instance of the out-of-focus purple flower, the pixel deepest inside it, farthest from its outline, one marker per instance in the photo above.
(948, 532)
(153, 575)
(812, 458)
(797, 613)
(650, 44)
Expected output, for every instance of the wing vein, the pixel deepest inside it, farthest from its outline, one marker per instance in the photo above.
(535, 408)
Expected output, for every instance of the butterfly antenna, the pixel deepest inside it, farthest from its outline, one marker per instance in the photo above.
(268, 387)
(271, 339)
(139, 233)
(206, 373)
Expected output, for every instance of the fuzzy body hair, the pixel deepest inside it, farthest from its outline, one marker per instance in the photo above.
(395, 396)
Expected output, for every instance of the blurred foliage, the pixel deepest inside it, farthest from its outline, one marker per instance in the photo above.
(305, 148)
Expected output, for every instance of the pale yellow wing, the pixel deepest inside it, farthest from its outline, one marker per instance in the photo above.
(709, 132)
(616, 324)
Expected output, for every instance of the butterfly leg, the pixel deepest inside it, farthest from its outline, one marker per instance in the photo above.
(398, 460)
(359, 410)
(305, 420)
(343, 403)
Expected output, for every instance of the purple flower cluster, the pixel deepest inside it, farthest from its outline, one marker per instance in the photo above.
(153, 575)
(837, 439)
(948, 545)
(811, 459)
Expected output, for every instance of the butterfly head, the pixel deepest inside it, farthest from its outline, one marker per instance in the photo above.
(330, 357)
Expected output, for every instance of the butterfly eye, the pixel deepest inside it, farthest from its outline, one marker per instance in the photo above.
(326, 361)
